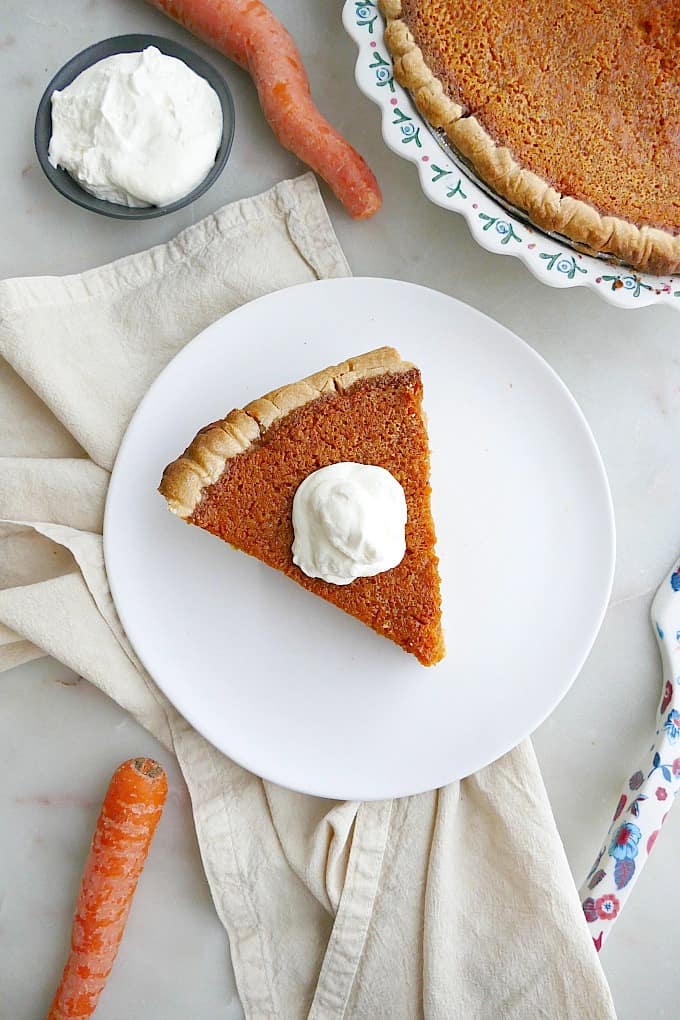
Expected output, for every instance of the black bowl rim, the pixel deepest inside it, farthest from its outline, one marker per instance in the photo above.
(130, 43)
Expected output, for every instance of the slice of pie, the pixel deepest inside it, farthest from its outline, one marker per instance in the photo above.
(238, 478)
(569, 110)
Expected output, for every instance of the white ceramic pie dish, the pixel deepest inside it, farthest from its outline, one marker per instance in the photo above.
(447, 183)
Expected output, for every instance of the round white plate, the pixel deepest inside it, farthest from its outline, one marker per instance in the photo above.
(286, 684)
(446, 183)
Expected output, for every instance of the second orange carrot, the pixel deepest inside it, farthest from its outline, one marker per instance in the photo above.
(130, 813)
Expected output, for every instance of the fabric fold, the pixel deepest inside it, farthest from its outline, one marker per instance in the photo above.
(46, 485)
(394, 909)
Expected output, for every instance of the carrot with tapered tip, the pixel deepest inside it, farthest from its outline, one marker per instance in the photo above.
(247, 32)
(132, 807)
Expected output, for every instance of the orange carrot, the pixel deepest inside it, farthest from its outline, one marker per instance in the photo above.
(127, 821)
(248, 33)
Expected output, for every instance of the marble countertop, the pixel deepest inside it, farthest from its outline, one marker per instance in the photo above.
(61, 739)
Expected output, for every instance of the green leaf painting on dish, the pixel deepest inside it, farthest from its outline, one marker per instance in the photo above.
(439, 173)
(503, 227)
(456, 190)
(366, 14)
(383, 71)
(565, 264)
(633, 284)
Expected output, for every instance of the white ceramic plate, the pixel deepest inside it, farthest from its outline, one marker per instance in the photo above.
(449, 185)
(286, 684)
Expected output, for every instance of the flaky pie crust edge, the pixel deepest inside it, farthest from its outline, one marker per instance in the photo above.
(645, 248)
(204, 460)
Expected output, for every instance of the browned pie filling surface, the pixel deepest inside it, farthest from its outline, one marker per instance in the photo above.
(585, 93)
(376, 421)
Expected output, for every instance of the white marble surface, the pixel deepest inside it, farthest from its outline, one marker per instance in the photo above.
(59, 741)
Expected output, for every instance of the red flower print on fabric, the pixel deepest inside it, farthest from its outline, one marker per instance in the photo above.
(667, 695)
(607, 907)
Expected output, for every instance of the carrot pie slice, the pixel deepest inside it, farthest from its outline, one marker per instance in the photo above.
(327, 480)
(569, 110)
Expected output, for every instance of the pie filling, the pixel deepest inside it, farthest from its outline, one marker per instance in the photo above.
(587, 96)
(570, 111)
(377, 421)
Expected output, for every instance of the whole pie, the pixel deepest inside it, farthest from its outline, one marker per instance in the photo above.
(238, 478)
(570, 110)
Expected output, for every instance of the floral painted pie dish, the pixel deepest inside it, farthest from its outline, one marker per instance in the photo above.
(454, 177)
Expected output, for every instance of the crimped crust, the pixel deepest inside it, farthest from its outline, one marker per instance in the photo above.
(203, 462)
(645, 248)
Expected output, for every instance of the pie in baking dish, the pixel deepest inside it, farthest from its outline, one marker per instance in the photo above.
(568, 110)
(239, 476)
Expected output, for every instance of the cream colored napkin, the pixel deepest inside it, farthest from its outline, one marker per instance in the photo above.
(452, 904)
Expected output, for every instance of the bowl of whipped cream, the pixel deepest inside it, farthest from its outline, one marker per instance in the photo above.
(134, 127)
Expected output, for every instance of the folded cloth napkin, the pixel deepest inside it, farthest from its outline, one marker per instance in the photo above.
(453, 904)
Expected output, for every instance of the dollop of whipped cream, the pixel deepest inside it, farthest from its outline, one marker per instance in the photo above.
(136, 129)
(349, 521)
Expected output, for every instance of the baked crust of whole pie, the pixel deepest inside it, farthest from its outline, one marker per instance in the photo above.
(238, 478)
(569, 111)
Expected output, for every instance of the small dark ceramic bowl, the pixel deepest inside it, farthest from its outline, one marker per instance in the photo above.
(130, 44)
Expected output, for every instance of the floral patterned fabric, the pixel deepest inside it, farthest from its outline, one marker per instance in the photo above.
(649, 792)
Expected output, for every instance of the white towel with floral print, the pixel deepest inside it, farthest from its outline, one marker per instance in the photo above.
(453, 904)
